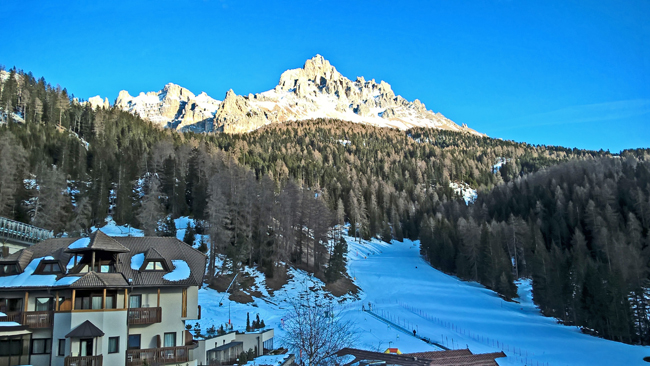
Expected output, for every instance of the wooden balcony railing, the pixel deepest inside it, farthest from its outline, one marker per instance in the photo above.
(145, 315)
(84, 361)
(137, 357)
(31, 319)
(12, 316)
(38, 319)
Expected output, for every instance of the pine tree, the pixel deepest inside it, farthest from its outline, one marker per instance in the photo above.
(336, 264)
(188, 238)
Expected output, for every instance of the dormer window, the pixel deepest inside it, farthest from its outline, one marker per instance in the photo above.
(154, 266)
(49, 268)
(8, 269)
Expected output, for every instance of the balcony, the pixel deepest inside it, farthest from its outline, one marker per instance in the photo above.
(31, 319)
(145, 315)
(38, 319)
(137, 357)
(12, 316)
(84, 361)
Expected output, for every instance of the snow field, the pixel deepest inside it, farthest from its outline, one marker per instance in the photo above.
(440, 307)
(405, 290)
(465, 314)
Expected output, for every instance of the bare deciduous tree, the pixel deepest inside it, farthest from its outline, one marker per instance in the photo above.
(315, 331)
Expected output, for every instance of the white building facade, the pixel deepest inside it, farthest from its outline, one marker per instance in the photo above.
(101, 301)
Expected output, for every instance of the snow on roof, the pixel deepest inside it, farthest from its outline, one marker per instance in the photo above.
(2, 314)
(71, 262)
(79, 243)
(181, 271)
(136, 261)
(9, 324)
(28, 278)
(270, 360)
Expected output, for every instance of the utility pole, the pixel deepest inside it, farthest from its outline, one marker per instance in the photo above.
(221, 301)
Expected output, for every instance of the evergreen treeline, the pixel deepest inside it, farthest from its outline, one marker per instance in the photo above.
(574, 221)
(384, 181)
(66, 167)
(579, 230)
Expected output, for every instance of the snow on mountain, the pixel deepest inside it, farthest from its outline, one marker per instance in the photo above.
(317, 90)
(97, 102)
(406, 291)
(173, 107)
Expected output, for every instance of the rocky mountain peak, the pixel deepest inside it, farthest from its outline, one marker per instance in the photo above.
(123, 99)
(318, 67)
(317, 90)
(174, 91)
(97, 102)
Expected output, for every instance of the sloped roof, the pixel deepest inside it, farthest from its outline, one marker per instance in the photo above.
(152, 255)
(22, 258)
(227, 346)
(94, 279)
(483, 359)
(166, 249)
(101, 241)
(85, 330)
(170, 249)
(439, 358)
(430, 355)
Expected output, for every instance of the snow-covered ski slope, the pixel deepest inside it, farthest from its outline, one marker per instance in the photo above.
(445, 308)
(405, 290)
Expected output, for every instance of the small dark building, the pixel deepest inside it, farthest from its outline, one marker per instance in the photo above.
(458, 357)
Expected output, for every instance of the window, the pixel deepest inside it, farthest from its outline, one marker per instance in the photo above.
(8, 269)
(170, 340)
(134, 341)
(154, 266)
(105, 266)
(44, 303)
(94, 301)
(13, 305)
(61, 347)
(41, 346)
(113, 344)
(11, 347)
(50, 267)
(110, 302)
(82, 302)
(135, 301)
(97, 302)
(85, 347)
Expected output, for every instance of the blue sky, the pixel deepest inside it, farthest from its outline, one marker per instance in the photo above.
(570, 73)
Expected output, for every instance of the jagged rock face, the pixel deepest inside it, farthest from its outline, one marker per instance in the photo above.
(317, 90)
(97, 102)
(173, 106)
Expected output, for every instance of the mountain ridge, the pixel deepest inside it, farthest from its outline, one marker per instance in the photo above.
(317, 90)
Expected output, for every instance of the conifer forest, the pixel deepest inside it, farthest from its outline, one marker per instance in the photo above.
(575, 221)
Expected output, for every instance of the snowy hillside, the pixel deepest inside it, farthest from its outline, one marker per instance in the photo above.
(404, 289)
(406, 292)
